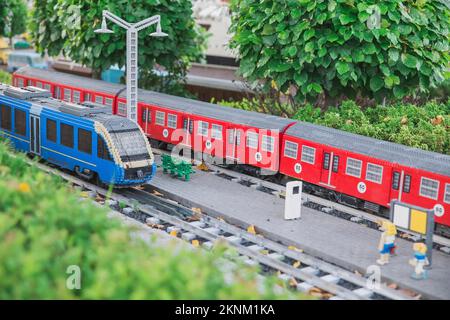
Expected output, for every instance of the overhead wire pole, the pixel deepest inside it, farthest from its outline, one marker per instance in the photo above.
(132, 53)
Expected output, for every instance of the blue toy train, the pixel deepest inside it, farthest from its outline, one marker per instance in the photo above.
(84, 138)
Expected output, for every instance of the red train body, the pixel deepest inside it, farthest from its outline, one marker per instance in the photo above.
(357, 170)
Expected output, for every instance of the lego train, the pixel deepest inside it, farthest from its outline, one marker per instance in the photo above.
(84, 138)
(355, 170)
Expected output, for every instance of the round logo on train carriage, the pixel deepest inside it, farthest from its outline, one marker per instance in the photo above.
(362, 187)
(258, 156)
(439, 210)
(165, 133)
(208, 144)
(298, 168)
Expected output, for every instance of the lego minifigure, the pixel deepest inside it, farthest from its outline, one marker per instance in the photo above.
(419, 261)
(387, 241)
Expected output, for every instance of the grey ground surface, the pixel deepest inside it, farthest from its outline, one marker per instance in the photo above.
(345, 243)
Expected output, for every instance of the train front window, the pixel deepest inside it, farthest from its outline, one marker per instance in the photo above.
(131, 145)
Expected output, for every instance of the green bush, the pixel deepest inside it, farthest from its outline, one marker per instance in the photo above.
(45, 228)
(5, 77)
(307, 47)
(426, 127)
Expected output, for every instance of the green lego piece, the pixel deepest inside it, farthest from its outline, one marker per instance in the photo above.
(176, 167)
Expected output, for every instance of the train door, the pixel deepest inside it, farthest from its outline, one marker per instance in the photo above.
(35, 135)
(188, 127)
(330, 166)
(400, 184)
(233, 141)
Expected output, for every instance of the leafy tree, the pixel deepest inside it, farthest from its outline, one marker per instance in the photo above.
(13, 18)
(373, 48)
(68, 27)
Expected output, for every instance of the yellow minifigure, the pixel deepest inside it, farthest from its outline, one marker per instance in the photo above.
(419, 261)
(387, 241)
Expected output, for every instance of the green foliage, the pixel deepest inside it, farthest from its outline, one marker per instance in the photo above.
(13, 17)
(45, 228)
(5, 77)
(61, 26)
(426, 127)
(311, 47)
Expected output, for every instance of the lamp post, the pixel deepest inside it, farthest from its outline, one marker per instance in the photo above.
(132, 53)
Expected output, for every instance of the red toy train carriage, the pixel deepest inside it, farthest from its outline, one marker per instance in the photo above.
(356, 170)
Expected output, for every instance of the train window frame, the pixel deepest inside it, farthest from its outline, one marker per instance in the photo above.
(407, 183)
(447, 193)
(66, 136)
(353, 167)
(290, 150)
(102, 149)
(335, 166)
(268, 143)
(84, 141)
(216, 131)
(20, 82)
(58, 92)
(202, 128)
(252, 140)
(172, 120)
(20, 127)
(76, 96)
(306, 154)
(369, 171)
(98, 98)
(109, 102)
(191, 125)
(5, 119)
(121, 108)
(67, 94)
(396, 180)
(160, 118)
(433, 189)
(51, 133)
(48, 86)
(146, 115)
(326, 161)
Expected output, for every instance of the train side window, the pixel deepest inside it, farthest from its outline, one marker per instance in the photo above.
(146, 115)
(172, 121)
(202, 129)
(66, 135)
(99, 99)
(429, 188)
(6, 117)
(290, 149)
(160, 118)
(67, 95)
(76, 96)
(102, 149)
(39, 84)
(268, 143)
(396, 180)
(353, 167)
(374, 173)
(20, 82)
(122, 109)
(335, 163)
(191, 125)
(407, 184)
(447, 193)
(308, 154)
(84, 141)
(216, 131)
(252, 140)
(51, 130)
(20, 122)
(87, 96)
(326, 161)
(109, 102)
(47, 87)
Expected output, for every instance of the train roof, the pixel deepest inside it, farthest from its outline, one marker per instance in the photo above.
(384, 150)
(210, 110)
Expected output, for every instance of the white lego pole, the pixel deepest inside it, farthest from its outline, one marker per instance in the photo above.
(293, 201)
(132, 53)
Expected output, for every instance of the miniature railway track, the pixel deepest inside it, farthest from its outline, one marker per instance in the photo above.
(310, 273)
(318, 203)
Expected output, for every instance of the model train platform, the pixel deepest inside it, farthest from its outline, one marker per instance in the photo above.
(345, 243)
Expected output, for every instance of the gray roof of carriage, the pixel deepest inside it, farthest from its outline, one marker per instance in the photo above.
(384, 150)
(205, 109)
